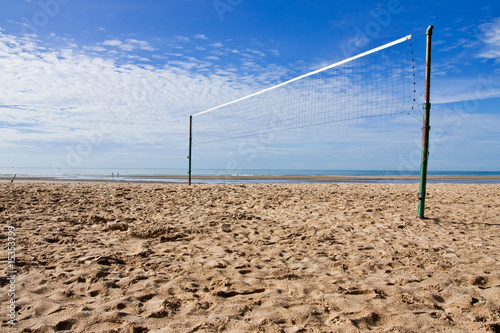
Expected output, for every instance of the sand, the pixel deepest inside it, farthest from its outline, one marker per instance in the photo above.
(120, 257)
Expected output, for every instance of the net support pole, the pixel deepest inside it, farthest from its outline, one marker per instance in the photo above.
(426, 128)
(190, 147)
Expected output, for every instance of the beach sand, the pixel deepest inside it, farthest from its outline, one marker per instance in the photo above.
(121, 257)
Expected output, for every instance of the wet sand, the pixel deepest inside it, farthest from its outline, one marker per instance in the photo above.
(121, 257)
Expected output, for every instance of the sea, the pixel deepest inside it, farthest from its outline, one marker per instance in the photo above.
(257, 176)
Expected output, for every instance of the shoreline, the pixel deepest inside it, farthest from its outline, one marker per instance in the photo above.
(459, 179)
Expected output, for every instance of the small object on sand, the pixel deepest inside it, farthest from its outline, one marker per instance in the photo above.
(13, 178)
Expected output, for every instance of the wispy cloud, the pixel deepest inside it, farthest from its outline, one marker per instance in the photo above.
(453, 90)
(275, 52)
(255, 53)
(143, 45)
(113, 42)
(182, 39)
(64, 95)
(490, 37)
(200, 36)
(129, 45)
(218, 44)
(94, 48)
(61, 96)
(459, 44)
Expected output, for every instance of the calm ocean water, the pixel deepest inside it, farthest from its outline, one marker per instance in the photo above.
(162, 175)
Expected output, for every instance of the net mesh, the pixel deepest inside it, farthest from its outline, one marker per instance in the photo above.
(376, 83)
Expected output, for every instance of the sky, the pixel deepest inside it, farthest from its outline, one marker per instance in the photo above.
(111, 84)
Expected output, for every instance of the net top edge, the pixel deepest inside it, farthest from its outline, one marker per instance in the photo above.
(387, 45)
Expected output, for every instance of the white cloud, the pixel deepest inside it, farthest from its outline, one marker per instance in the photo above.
(68, 96)
(491, 38)
(63, 95)
(94, 48)
(458, 44)
(218, 44)
(465, 89)
(217, 53)
(129, 45)
(175, 54)
(200, 36)
(142, 59)
(353, 45)
(113, 42)
(256, 53)
(143, 45)
(182, 39)
(275, 52)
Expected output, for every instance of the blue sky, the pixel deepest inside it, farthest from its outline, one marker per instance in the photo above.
(111, 84)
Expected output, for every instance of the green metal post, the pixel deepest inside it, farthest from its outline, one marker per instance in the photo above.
(190, 146)
(426, 128)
